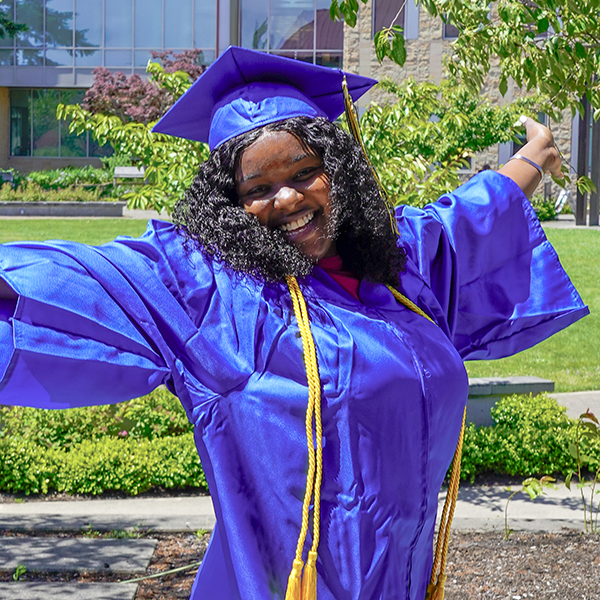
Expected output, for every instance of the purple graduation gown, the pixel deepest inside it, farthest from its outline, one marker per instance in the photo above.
(92, 325)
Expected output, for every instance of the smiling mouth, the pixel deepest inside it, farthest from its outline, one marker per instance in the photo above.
(298, 224)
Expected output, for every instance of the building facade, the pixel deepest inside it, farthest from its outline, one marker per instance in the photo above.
(53, 61)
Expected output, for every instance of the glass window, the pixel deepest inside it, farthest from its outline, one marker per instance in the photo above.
(59, 23)
(141, 58)
(31, 13)
(88, 58)
(20, 127)
(205, 24)
(6, 57)
(59, 58)
(148, 23)
(118, 23)
(386, 13)
(291, 25)
(178, 23)
(254, 20)
(117, 58)
(6, 6)
(88, 22)
(334, 60)
(450, 31)
(45, 125)
(30, 58)
(207, 57)
(71, 144)
(330, 34)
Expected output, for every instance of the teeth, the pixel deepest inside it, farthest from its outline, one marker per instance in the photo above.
(299, 223)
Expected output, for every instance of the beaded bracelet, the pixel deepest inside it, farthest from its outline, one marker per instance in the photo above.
(528, 160)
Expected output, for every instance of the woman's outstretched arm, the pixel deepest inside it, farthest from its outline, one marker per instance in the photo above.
(540, 149)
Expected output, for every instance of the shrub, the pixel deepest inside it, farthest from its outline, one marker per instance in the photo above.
(32, 192)
(531, 437)
(95, 466)
(544, 209)
(55, 179)
(156, 415)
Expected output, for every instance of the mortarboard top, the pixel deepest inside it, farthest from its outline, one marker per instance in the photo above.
(245, 89)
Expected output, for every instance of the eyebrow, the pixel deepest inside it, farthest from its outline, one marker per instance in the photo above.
(296, 159)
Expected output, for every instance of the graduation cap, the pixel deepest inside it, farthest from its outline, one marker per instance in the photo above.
(245, 89)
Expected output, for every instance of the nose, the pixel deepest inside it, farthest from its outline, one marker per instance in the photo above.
(286, 198)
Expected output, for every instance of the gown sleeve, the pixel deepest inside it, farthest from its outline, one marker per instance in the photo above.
(478, 260)
(84, 325)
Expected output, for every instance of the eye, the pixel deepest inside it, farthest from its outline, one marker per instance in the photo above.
(307, 173)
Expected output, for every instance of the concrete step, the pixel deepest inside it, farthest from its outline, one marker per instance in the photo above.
(484, 392)
(76, 554)
(67, 591)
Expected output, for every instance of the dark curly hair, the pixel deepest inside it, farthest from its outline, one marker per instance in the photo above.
(211, 215)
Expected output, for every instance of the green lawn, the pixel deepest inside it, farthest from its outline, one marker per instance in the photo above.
(88, 231)
(571, 358)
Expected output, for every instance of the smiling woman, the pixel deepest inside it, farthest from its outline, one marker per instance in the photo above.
(283, 183)
(270, 308)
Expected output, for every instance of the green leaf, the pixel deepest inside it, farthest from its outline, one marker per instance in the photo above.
(568, 480)
(580, 50)
(503, 86)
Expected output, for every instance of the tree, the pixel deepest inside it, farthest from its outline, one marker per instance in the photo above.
(134, 99)
(419, 144)
(170, 163)
(551, 47)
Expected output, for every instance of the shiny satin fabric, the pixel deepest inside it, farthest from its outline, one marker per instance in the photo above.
(102, 324)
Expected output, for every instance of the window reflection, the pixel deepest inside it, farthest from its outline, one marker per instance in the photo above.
(254, 24)
(302, 29)
(205, 19)
(59, 58)
(59, 23)
(88, 22)
(34, 130)
(178, 23)
(32, 13)
(20, 128)
(117, 58)
(71, 144)
(148, 23)
(6, 6)
(118, 23)
(88, 58)
(45, 125)
(6, 57)
(30, 58)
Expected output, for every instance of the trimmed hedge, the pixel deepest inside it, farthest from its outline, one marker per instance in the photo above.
(148, 442)
(95, 466)
(531, 437)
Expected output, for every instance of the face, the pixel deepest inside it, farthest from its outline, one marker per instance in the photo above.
(284, 185)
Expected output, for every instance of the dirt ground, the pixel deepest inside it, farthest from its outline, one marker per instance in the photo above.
(481, 566)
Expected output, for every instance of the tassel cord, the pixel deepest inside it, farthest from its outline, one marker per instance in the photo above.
(304, 587)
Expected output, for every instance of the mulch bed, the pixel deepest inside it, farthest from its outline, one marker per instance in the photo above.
(484, 566)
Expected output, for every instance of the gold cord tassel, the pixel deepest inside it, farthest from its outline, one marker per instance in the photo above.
(435, 589)
(309, 579)
(304, 587)
(294, 588)
(354, 126)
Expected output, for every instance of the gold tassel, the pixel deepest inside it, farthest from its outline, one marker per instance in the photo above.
(294, 587)
(309, 579)
(436, 591)
(354, 126)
